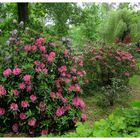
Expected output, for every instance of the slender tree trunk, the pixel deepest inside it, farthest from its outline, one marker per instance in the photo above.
(22, 12)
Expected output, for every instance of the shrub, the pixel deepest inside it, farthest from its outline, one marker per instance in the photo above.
(39, 86)
(123, 122)
(108, 70)
(104, 64)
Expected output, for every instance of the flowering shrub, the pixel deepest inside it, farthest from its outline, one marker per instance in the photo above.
(104, 64)
(39, 87)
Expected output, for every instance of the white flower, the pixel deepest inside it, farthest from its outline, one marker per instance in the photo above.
(14, 21)
(8, 42)
(14, 32)
(21, 24)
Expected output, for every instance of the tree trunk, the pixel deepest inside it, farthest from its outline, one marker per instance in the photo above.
(22, 12)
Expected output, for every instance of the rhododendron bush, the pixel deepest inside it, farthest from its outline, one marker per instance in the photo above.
(103, 64)
(40, 87)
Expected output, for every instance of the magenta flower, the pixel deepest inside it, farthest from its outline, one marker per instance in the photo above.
(27, 78)
(32, 122)
(51, 56)
(2, 111)
(126, 74)
(42, 106)
(73, 70)
(15, 92)
(7, 72)
(62, 69)
(14, 106)
(52, 95)
(78, 102)
(74, 78)
(27, 48)
(44, 132)
(37, 62)
(71, 88)
(42, 48)
(33, 48)
(2, 90)
(22, 116)
(22, 85)
(79, 73)
(24, 104)
(16, 71)
(33, 98)
(83, 117)
(77, 87)
(29, 88)
(60, 111)
(15, 127)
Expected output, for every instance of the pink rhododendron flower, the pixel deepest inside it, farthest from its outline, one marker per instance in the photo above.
(32, 122)
(27, 78)
(68, 75)
(24, 104)
(16, 71)
(27, 48)
(79, 73)
(83, 117)
(33, 98)
(45, 71)
(42, 48)
(81, 63)
(44, 132)
(126, 74)
(51, 56)
(29, 88)
(60, 111)
(2, 111)
(33, 48)
(37, 62)
(2, 90)
(74, 70)
(15, 92)
(74, 78)
(71, 88)
(22, 85)
(7, 72)
(67, 80)
(15, 127)
(77, 87)
(14, 106)
(52, 95)
(66, 52)
(22, 116)
(62, 69)
(78, 102)
(42, 106)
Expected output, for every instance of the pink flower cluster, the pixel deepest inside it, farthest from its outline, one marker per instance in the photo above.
(2, 91)
(24, 104)
(51, 56)
(32, 122)
(40, 67)
(8, 71)
(61, 110)
(78, 102)
(2, 111)
(75, 87)
(13, 106)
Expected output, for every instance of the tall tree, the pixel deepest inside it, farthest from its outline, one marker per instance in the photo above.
(22, 12)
